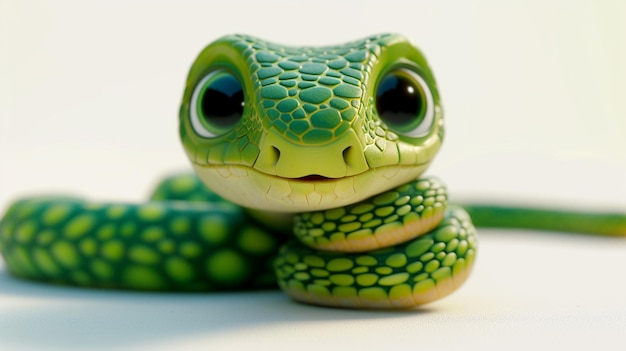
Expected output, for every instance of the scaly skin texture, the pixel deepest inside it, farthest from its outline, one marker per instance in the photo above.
(312, 145)
(412, 273)
(179, 246)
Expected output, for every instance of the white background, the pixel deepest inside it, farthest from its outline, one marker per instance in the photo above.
(535, 112)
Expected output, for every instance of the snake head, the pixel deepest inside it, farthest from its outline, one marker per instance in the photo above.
(291, 129)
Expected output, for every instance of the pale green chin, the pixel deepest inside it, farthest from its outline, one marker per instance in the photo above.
(251, 188)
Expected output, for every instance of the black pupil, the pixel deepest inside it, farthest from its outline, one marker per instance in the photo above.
(222, 103)
(398, 100)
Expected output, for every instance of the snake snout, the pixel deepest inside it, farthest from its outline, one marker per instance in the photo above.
(339, 158)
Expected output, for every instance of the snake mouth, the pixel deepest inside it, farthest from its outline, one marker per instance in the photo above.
(252, 188)
(314, 178)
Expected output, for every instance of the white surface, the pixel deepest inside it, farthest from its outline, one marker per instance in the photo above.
(568, 296)
(533, 94)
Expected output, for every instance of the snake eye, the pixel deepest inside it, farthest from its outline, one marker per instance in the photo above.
(404, 102)
(216, 104)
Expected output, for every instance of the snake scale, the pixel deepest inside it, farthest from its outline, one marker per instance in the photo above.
(308, 175)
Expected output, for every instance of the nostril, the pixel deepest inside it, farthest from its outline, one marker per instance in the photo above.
(275, 154)
(346, 155)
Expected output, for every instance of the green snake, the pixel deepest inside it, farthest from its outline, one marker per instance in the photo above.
(313, 157)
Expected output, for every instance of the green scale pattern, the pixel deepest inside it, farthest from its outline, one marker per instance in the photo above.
(421, 199)
(416, 266)
(310, 95)
(171, 245)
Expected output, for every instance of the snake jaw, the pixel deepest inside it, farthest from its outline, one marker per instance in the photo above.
(252, 188)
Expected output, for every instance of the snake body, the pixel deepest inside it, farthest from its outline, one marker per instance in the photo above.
(332, 139)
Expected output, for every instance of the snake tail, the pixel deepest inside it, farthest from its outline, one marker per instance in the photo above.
(583, 222)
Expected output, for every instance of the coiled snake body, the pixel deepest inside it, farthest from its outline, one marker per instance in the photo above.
(331, 139)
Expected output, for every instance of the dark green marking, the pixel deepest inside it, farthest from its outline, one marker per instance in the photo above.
(315, 95)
